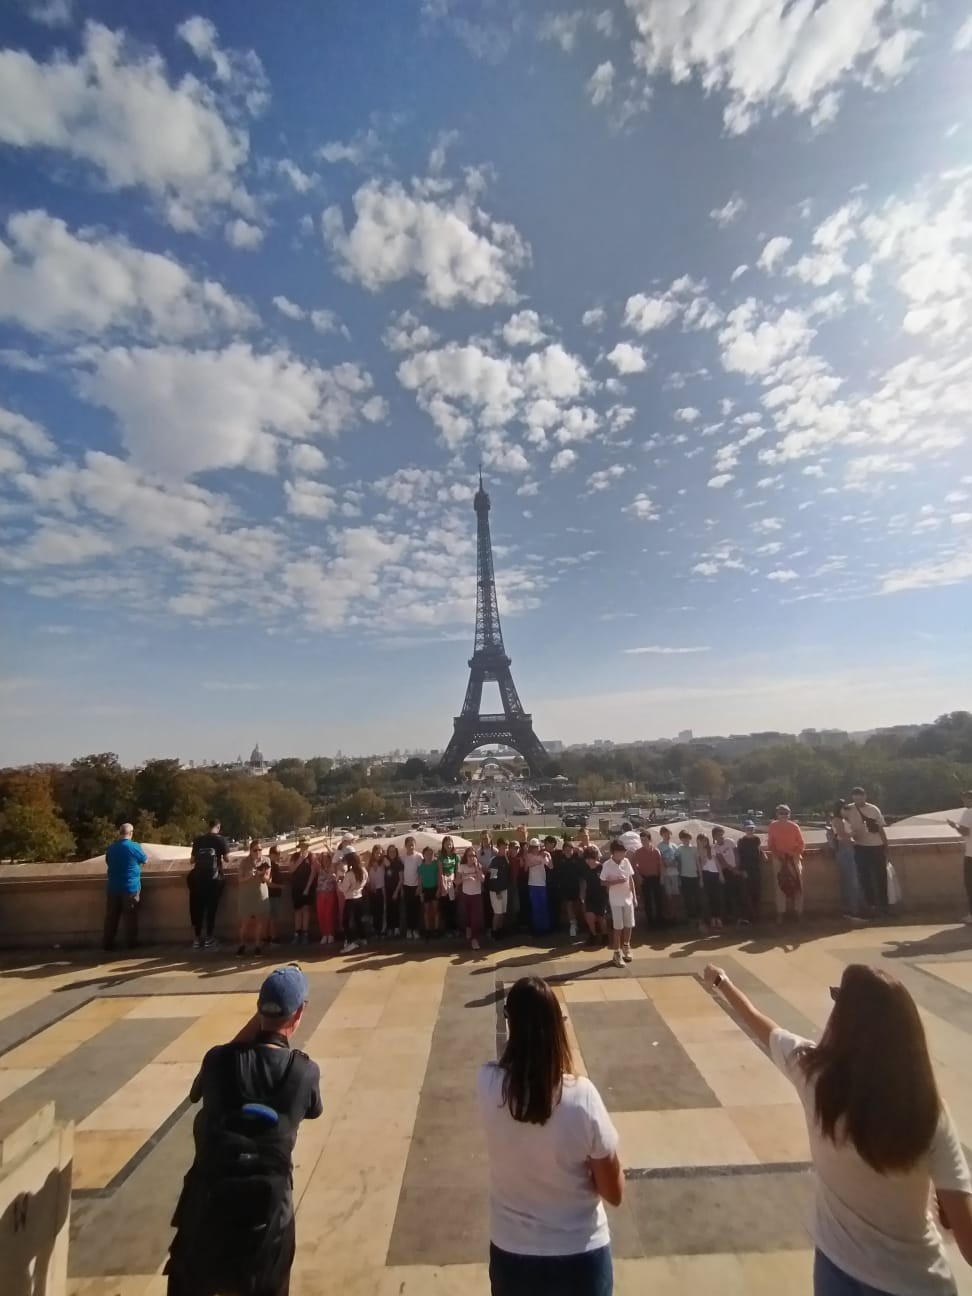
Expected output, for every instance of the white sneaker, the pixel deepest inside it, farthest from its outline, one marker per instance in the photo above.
(573, 929)
(197, 944)
(475, 944)
(323, 940)
(617, 960)
(626, 955)
(349, 947)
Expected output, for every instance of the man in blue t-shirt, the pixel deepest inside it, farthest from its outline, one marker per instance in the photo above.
(125, 859)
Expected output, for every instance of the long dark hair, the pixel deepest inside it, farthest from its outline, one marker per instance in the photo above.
(353, 862)
(537, 1053)
(871, 1072)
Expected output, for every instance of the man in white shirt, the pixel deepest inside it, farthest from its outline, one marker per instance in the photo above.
(537, 863)
(866, 823)
(963, 826)
(617, 877)
(411, 860)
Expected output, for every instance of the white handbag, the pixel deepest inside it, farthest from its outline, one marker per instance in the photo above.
(894, 886)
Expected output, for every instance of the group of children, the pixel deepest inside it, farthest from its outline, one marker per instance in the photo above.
(502, 886)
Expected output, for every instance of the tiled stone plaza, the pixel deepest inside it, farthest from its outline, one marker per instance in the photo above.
(391, 1182)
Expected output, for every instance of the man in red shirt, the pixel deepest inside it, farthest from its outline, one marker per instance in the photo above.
(648, 865)
(786, 846)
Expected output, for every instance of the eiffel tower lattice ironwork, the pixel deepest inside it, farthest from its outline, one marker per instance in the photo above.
(514, 726)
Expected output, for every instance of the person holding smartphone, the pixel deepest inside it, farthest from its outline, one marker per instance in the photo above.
(881, 1139)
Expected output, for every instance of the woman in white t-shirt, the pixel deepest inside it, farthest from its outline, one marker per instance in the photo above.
(352, 885)
(884, 1147)
(553, 1158)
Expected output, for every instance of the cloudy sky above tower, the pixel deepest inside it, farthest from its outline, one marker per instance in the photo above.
(692, 280)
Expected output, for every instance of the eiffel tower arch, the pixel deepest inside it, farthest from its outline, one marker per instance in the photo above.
(513, 727)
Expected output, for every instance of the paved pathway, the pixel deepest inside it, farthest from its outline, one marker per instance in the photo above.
(391, 1181)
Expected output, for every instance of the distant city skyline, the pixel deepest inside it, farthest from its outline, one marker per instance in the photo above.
(697, 296)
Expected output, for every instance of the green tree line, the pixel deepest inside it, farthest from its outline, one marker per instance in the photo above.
(906, 775)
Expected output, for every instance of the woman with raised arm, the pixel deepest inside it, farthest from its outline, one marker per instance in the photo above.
(880, 1138)
(553, 1159)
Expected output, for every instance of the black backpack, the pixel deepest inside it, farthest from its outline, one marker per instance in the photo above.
(246, 1164)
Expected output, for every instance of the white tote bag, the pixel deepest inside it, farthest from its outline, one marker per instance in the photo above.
(894, 886)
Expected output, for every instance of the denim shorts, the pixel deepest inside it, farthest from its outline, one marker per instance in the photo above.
(589, 1273)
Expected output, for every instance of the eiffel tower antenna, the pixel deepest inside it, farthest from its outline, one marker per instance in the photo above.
(514, 726)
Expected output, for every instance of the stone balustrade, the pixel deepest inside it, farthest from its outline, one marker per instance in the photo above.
(45, 905)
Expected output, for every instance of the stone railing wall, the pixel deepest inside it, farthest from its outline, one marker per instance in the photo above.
(57, 904)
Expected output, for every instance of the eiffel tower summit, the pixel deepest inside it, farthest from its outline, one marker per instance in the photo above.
(514, 726)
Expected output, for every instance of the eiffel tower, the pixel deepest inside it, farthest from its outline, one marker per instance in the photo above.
(514, 727)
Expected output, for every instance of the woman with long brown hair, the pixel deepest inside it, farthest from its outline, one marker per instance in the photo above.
(353, 885)
(553, 1158)
(880, 1139)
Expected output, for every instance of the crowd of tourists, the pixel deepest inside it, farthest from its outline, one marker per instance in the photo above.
(342, 898)
(891, 1178)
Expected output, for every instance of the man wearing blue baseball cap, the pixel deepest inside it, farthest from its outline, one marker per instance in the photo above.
(235, 1228)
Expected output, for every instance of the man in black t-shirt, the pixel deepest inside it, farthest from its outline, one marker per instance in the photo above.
(235, 1228)
(498, 876)
(749, 853)
(206, 880)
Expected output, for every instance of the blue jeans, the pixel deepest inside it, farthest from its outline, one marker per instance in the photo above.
(828, 1280)
(539, 910)
(588, 1274)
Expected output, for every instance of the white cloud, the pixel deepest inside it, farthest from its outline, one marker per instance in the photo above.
(600, 85)
(562, 29)
(309, 499)
(562, 460)
(952, 569)
(594, 317)
(52, 13)
(753, 345)
(738, 273)
(643, 508)
(239, 71)
(407, 333)
(465, 386)
(359, 149)
(523, 329)
(688, 414)
(58, 282)
(730, 212)
(286, 307)
(322, 321)
(183, 412)
(115, 110)
(29, 435)
(307, 458)
(644, 314)
(962, 40)
(685, 297)
(658, 650)
(300, 181)
(627, 359)
(770, 57)
(783, 575)
(719, 481)
(243, 235)
(449, 243)
(774, 252)
(603, 478)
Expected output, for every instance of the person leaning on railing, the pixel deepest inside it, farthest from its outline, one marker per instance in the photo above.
(880, 1140)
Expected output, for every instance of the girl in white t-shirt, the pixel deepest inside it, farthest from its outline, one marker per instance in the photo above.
(710, 865)
(890, 1169)
(353, 885)
(553, 1156)
(376, 889)
(471, 882)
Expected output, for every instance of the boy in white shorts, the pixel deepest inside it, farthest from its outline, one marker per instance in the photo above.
(617, 876)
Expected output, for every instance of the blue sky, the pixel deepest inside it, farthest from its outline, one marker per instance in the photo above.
(694, 282)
